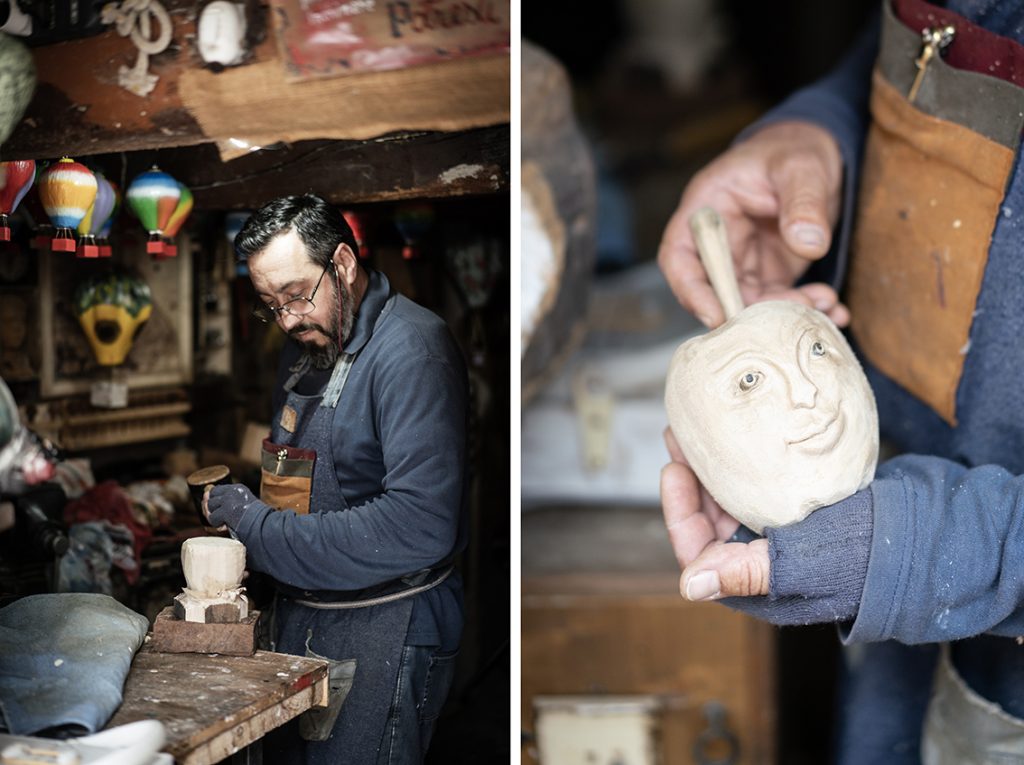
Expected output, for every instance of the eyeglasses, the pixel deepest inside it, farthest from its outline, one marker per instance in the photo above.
(300, 306)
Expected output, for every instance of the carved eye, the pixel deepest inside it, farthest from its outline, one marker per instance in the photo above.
(750, 380)
(817, 349)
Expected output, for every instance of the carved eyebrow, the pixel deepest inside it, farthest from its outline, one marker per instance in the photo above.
(729, 362)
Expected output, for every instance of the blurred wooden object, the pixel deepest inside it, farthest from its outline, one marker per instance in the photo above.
(172, 634)
(151, 415)
(602, 618)
(594, 635)
(559, 206)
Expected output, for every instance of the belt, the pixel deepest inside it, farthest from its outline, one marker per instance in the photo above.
(410, 585)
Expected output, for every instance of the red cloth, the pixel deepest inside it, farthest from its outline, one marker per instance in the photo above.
(973, 48)
(107, 501)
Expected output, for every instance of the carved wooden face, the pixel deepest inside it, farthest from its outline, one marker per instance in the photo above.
(774, 414)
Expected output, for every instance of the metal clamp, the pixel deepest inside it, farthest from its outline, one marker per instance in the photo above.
(716, 745)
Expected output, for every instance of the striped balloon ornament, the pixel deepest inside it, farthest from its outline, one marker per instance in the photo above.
(97, 215)
(104, 236)
(153, 196)
(177, 220)
(66, 189)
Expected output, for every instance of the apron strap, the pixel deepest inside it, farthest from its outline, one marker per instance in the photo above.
(298, 369)
(332, 393)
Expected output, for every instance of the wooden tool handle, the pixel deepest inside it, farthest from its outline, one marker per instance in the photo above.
(713, 246)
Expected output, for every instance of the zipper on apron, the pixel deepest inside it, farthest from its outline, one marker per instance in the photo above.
(934, 41)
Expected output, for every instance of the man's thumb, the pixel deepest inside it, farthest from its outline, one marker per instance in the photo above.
(727, 570)
(803, 212)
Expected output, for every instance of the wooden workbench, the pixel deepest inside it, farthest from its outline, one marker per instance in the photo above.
(213, 705)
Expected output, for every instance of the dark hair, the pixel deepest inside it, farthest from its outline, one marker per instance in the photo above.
(320, 226)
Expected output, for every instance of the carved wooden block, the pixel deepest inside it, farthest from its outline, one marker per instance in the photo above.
(171, 635)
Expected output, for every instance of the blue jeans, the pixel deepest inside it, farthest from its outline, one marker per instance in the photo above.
(424, 678)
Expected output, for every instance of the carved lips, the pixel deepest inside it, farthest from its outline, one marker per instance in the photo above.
(821, 438)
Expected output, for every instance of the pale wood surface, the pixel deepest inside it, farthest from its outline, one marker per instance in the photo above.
(215, 705)
(713, 246)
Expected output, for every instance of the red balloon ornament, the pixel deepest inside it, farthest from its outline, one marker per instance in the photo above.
(359, 222)
(16, 179)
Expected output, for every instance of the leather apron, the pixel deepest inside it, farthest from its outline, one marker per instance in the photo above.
(934, 176)
(363, 645)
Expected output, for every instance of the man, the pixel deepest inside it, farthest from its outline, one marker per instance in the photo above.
(928, 210)
(360, 511)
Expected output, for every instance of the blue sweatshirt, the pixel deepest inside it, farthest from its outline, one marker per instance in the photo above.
(932, 550)
(399, 448)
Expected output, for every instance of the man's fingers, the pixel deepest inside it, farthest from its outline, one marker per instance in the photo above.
(726, 570)
(816, 295)
(805, 198)
(689, 530)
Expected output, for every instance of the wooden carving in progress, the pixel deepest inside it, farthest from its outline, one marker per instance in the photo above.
(772, 410)
(213, 569)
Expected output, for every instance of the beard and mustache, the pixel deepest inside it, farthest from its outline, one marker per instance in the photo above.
(337, 330)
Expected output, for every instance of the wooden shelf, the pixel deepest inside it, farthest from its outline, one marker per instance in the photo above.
(434, 130)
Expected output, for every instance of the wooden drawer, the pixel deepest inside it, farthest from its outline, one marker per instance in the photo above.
(602, 617)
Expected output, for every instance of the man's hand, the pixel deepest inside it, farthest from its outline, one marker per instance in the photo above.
(778, 193)
(698, 528)
(225, 504)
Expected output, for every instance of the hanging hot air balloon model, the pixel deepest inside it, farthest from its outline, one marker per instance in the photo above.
(153, 196)
(67, 189)
(111, 308)
(413, 221)
(32, 208)
(103, 239)
(15, 180)
(176, 221)
(359, 222)
(95, 217)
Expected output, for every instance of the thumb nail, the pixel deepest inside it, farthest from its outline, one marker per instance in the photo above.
(703, 586)
(808, 234)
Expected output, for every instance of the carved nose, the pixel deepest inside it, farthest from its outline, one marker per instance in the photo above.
(802, 392)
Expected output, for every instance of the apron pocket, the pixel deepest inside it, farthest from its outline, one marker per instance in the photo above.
(316, 724)
(962, 728)
(287, 476)
(438, 682)
(931, 191)
(930, 194)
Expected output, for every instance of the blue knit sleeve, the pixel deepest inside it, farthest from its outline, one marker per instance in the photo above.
(818, 566)
(947, 559)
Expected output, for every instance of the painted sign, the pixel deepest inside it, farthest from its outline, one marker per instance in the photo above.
(328, 38)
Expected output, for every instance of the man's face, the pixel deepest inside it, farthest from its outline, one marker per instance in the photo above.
(774, 413)
(282, 272)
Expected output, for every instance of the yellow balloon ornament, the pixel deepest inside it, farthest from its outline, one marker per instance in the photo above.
(112, 308)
